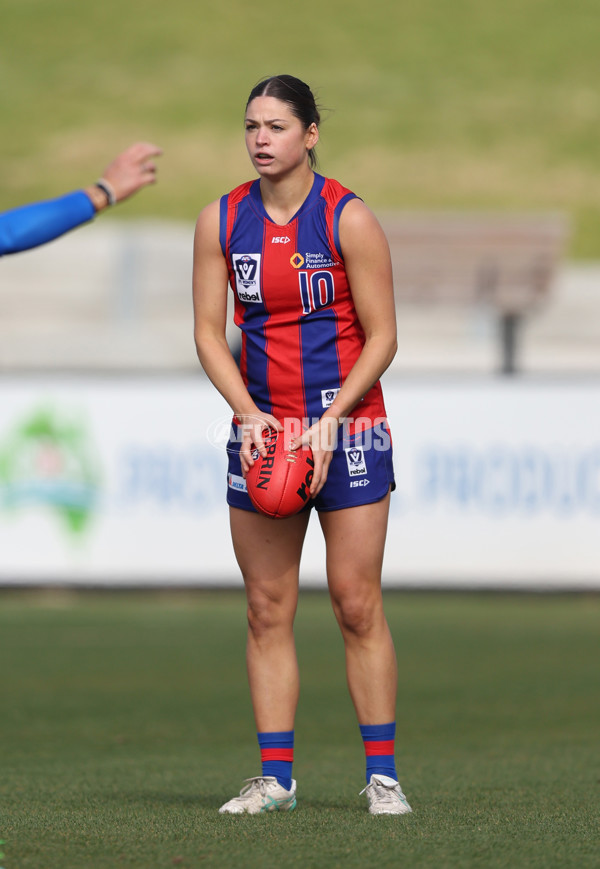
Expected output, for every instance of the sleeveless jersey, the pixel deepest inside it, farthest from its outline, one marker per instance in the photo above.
(300, 332)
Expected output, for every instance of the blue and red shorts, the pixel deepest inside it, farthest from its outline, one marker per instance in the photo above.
(361, 471)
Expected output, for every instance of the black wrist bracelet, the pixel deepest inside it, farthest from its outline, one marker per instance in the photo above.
(103, 185)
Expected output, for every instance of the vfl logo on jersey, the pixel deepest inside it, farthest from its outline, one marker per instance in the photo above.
(328, 396)
(356, 461)
(247, 276)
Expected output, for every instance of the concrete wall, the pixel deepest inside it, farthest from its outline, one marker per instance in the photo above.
(117, 296)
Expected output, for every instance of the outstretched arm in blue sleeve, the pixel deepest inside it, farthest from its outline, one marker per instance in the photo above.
(31, 225)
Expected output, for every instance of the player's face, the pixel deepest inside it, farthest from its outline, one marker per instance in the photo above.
(276, 139)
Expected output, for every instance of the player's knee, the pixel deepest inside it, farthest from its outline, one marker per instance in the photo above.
(359, 614)
(266, 613)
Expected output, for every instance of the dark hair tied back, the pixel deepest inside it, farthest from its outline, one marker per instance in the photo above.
(297, 95)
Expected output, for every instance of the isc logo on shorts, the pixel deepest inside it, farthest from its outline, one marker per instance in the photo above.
(356, 461)
(247, 277)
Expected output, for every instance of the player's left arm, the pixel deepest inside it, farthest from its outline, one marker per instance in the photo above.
(368, 265)
(369, 269)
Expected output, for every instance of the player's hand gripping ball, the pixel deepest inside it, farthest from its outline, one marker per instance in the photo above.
(279, 483)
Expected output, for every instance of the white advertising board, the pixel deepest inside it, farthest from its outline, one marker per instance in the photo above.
(122, 481)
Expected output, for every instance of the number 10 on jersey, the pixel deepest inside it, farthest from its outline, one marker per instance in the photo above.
(317, 290)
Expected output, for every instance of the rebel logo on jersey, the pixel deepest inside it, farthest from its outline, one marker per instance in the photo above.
(247, 277)
(328, 396)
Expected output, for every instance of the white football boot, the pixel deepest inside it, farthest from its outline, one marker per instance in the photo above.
(385, 796)
(261, 794)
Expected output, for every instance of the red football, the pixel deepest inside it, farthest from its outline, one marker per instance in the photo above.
(279, 483)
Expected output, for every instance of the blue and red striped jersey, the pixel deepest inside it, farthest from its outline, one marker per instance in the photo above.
(300, 331)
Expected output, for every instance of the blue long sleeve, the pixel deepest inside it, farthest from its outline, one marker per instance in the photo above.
(31, 225)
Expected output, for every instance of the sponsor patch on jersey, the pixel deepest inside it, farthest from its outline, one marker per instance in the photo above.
(328, 396)
(234, 481)
(320, 261)
(247, 277)
(297, 260)
(356, 461)
(280, 239)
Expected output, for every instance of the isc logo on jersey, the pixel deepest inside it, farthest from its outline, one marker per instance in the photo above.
(247, 277)
(356, 461)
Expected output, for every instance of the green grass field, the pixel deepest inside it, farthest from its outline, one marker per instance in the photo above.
(463, 105)
(126, 723)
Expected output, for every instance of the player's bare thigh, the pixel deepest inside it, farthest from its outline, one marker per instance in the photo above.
(355, 540)
(267, 550)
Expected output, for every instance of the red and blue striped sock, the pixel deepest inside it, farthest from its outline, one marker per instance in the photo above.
(379, 749)
(277, 755)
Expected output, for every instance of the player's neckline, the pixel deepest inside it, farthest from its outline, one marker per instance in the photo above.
(313, 194)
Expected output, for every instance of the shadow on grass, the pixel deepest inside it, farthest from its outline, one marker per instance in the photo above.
(213, 801)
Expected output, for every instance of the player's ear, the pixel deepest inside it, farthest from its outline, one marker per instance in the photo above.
(312, 137)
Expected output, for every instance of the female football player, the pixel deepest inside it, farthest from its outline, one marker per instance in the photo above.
(310, 270)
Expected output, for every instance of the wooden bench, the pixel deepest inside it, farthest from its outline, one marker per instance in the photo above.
(503, 262)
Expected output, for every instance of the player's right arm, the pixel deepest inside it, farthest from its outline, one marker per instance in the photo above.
(210, 287)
